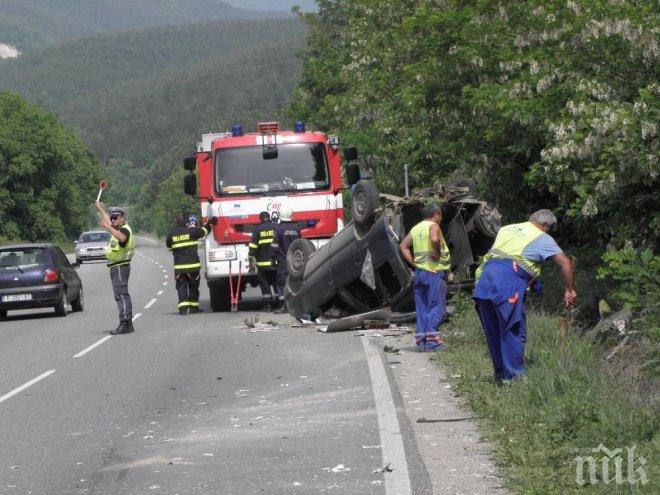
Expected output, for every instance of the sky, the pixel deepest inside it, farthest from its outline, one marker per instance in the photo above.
(279, 5)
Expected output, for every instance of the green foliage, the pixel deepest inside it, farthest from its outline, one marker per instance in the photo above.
(636, 276)
(546, 104)
(171, 200)
(141, 100)
(569, 402)
(48, 178)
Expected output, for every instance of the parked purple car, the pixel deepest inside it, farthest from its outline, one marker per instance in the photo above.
(37, 276)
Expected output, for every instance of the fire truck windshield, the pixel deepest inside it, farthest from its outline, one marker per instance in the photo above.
(296, 167)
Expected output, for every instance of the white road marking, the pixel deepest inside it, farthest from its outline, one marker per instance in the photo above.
(150, 303)
(135, 317)
(164, 283)
(93, 346)
(397, 481)
(160, 266)
(26, 385)
(164, 271)
(159, 293)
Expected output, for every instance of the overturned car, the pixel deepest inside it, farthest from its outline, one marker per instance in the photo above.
(360, 269)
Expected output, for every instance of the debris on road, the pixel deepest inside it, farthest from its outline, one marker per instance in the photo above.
(385, 469)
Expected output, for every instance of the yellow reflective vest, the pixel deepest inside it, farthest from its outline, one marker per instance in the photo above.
(118, 255)
(510, 243)
(423, 249)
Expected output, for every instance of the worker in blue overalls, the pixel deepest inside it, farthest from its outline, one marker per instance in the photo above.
(511, 266)
(432, 262)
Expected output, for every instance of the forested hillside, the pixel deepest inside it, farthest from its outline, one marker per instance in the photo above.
(142, 99)
(31, 24)
(47, 176)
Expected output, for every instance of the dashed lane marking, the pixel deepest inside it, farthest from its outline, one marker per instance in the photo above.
(93, 346)
(159, 293)
(164, 283)
(26, 385)
(150, 303)
(135, 317)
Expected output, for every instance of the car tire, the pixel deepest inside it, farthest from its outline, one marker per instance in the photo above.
(364, 202)
(78, 304)
(219, 295)
(79, 261)
(60, 307)
(3, 313)
(296, 257)
(485, 222)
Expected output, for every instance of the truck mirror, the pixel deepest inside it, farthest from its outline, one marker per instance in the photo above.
(352, 173)
(189, 163)
(190, 184)
(350, 154)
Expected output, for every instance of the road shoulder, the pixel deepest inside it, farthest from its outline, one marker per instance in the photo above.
(457, 460)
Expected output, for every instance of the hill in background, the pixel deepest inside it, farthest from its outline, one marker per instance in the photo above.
(278, 5)
(29, 24)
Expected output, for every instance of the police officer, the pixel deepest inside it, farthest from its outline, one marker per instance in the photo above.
(432, 263)
(119, 253)
(285, 233)
(260, 249)
(182, 241)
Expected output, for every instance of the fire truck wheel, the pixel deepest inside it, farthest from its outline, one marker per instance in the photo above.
(219, 292)
(364, 201)
(297, 256)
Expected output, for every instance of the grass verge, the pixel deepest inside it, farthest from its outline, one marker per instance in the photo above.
(570, 401)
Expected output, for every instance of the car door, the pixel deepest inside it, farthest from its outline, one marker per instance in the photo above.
(69, 274)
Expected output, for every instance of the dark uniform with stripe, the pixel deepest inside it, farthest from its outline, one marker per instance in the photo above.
(262, 238)
(285, 234)
(182, 241)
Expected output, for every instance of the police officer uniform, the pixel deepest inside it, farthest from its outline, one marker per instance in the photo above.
(260, 249)
(119, 255)
(182, 241)
(285, 233)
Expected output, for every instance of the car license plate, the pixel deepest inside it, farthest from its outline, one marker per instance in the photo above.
(17, 297)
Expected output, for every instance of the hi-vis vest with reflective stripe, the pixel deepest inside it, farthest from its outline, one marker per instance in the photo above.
(423, 249)
(510, 243)
(118, 255)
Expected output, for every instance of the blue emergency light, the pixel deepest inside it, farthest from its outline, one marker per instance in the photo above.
(236, 130)
(299, 126)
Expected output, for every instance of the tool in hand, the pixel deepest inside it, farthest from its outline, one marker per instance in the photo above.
(102, 186)
(564, 324)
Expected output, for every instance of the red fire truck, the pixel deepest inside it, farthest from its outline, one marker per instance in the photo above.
(242, 174)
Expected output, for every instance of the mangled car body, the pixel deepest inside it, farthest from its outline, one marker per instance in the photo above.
(360, 269)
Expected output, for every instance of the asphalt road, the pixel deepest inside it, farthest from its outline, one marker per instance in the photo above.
(193, 404)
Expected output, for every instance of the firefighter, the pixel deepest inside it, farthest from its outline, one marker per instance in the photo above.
(285, 233)
(260, 250)
(511, 266)
(432, 263)
(119, 253)
(182, 241)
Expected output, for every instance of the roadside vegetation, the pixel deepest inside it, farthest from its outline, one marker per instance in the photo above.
(570, 401)
(543, 104)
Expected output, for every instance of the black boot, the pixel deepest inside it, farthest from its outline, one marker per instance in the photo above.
(196, 310)
(183, 311)
(124, 327)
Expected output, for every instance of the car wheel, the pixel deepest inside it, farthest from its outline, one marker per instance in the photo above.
(60, 307)
(3, 313)
(78, 304)
(297, 256)
(79, 261)
(486, 222)
(364, 201)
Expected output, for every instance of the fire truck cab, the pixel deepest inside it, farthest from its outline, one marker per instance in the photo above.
(242, 174)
